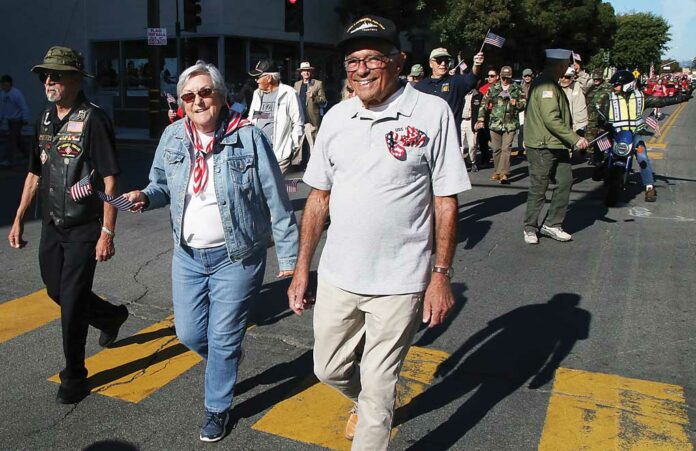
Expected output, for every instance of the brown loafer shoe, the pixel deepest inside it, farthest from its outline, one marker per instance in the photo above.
(351, 423)
(495, 177)
(650, 195)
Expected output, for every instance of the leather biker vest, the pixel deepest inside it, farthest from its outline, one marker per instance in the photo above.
(65, 159)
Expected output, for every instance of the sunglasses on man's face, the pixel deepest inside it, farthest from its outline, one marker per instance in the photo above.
(442, 59)
(56, 77)
(203, 93)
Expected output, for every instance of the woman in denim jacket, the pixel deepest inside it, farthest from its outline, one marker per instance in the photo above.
(227, 196)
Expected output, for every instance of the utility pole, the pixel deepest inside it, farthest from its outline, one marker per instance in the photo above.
(153, 21)
(177, 27)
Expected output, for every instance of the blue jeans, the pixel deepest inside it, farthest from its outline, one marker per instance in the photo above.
(646, 170)
(212, 296)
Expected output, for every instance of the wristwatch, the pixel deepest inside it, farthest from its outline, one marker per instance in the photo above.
(448, 271)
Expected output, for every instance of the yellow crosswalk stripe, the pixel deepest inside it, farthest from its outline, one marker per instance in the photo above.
(139, 365)
(317, 414)
(25, 314)
(594, 411)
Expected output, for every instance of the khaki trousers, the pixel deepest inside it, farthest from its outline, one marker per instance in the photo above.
(342, 320)
(501, 142)
(310, 134)
(468, 137)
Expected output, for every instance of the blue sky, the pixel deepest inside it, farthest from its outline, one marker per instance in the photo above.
(681, 15)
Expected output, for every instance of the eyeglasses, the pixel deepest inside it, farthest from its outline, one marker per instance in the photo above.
(492, 75)
(568, 76)
(442, 59)
(203, 93)
(56, 77)
(371, 62)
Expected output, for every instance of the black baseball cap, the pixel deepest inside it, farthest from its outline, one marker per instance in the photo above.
(372, 27)
(263, 67)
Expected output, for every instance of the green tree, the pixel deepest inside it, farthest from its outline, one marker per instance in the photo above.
(528, 26)
(640, 40)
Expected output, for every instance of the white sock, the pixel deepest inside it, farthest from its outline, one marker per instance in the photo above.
(649, 187)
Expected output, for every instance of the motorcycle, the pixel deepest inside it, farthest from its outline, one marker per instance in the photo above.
(617, 165)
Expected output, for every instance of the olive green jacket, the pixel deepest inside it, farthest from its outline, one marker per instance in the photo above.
(548, 122)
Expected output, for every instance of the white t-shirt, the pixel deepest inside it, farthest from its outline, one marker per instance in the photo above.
(202, 227)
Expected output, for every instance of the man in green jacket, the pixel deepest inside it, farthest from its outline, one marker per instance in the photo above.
(549, 137)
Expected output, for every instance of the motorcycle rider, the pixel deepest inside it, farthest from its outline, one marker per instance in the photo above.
(622, 109)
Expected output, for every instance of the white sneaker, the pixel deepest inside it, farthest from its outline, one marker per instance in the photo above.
(556, 233)
(530, 237)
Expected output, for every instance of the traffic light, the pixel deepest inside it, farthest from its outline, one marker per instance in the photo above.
(192, 14)
(294, 16)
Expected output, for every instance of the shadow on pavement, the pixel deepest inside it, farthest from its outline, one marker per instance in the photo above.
(528, 342)
(111, 445)
(287, 379)
(472, 227)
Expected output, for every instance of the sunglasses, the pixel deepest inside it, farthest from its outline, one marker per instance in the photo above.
(203, 93)
(56, 77)
(492, 75)
(441, 59)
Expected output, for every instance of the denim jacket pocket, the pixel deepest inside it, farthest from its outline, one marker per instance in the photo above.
(172, 161)
(240, 169)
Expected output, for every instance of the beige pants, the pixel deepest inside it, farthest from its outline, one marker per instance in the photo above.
(387, 325)
(310, 134)
(468, 140)
(501, 142)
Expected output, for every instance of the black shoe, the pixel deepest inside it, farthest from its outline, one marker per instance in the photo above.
(73, 392)
(108, 336)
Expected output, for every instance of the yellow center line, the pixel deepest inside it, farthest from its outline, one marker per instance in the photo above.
(317, 414)
(140, 364)
(593, 411)
(25, 314)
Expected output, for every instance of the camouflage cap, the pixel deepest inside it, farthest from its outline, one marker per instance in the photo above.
(62, 59)
(598, 74)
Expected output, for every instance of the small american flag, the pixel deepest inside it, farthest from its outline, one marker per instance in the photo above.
(171, 99)
(291, 185)
(81, 189)
(462, 66)
(651, 122)
(576, 57)
(494, 39)
(604, 144)
(119, 202)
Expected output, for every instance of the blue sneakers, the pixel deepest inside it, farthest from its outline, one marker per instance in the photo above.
(214, 424)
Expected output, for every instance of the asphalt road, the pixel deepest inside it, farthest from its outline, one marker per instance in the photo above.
(618, 299)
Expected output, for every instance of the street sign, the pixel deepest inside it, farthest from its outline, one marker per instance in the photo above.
(156, 36)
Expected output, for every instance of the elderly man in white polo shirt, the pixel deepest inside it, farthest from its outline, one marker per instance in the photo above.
(387, 167)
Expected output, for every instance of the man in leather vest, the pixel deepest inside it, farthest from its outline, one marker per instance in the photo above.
(74, 138)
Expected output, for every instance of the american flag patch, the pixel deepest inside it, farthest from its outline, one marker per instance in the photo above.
(75, 126)
(397, 143)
